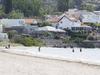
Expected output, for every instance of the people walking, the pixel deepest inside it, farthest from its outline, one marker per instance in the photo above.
(8, 45)
(39, 49)
(80, 50)
(73, 50)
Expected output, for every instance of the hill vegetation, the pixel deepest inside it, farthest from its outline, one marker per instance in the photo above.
(29, 8)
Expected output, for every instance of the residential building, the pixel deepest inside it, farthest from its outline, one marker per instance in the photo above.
(12, 22)
(70, 20)
(89, 17)
(52, 19)
(18, 22)
(31, 21)
(66, 22)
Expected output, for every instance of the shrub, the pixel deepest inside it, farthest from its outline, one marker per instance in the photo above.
(11, 34)
(66, 40)
(28, 41)
(45, 24)
(78, 40)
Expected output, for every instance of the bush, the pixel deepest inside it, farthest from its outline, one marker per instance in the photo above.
(12, 33)
(15, 14)
(80, 34)
(78, 40)
(28, 41)
(66, 40)
(45, 24)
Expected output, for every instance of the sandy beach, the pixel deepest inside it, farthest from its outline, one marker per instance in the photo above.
(11, 64)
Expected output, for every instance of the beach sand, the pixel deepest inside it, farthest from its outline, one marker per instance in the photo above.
(11, 64)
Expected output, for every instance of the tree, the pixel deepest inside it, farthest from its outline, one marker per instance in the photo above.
(8, 6)
(28, 7)
(15, 14)
(11, 34)
(63, 5)
(78, 3)
(71, 3)
(2, 14)
(88, 7)
(45, 24)
(36, 7)
(29, 41)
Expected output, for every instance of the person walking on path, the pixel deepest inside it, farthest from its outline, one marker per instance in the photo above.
(80, 50)
(8, 45)
(73, 50)
(39, 49)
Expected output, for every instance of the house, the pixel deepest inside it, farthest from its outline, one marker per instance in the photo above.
(17, 22)
(31, 21)
(53, 20)
(68, 22)
(85, 16)
(89, 17)
(12, 22)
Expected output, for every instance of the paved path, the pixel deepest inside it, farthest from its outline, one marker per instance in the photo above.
(11, 64)
(90, 56)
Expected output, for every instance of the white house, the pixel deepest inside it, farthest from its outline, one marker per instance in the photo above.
(71, 21)
(12, 22)
(68, 22)
(17, 22)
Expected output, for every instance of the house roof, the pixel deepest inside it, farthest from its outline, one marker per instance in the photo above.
(72, 15)
(30, 21)
(53, 20)
(51, 29)
(87, 13)
(71, 18)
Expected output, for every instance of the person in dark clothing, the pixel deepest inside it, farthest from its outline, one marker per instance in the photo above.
(73, 51)
(80, 50)
(8, 45)
(39, 48)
